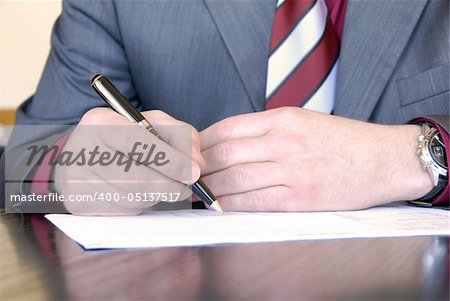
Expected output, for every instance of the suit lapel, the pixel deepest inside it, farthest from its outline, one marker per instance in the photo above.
(375, 35)
(245, 27)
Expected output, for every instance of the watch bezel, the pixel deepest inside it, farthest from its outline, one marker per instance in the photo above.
(425, 155)
(433, 155)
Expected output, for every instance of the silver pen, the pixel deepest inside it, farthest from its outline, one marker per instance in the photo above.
(109, 93)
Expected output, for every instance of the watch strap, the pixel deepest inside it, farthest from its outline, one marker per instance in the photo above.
(430, 196)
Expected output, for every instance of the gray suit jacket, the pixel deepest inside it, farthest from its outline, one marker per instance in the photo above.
(202, 61)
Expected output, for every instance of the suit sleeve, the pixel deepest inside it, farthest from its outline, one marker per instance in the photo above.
(85, 40)
(442, 120)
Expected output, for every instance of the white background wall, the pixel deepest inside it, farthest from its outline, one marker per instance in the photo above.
(25, 28)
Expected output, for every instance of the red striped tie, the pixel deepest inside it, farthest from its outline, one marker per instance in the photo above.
(304, 57)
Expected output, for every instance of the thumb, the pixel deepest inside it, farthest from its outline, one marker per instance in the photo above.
(182, 136)
(197, 156)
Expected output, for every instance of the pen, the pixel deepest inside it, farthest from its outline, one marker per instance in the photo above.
(103, 86)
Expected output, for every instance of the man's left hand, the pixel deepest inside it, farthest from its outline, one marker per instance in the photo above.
(291, 159)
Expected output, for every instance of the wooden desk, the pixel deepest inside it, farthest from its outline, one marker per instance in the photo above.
(7, 116)
(40, 263)
(7, 119)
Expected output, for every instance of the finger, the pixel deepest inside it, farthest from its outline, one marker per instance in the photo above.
(241, 151)
(103, 116)
(245, 177)
(124, 193)
(145, 192)
(133, 178)
(112, 130)
(179, 134)
(236, 127)
(126, 147)
(277, 198)
(186, 139)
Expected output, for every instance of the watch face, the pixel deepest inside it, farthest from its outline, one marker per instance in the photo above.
(437, 150)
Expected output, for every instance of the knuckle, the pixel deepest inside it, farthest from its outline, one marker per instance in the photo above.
(224, 129)
(287, 113)
(159, 117)
(222, 153)
(254, 199)
(156, 113)
(260, 200)
(93, 116)
(237, 176)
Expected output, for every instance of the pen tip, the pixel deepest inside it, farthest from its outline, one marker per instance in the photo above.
(216, 206)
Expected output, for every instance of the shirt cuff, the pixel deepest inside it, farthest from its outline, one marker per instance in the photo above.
(443, 198)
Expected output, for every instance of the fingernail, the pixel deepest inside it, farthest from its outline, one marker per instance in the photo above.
(190, 174)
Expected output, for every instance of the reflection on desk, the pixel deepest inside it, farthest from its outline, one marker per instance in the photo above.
(40, 262)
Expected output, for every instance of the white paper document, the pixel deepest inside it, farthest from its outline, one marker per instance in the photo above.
(206, 227)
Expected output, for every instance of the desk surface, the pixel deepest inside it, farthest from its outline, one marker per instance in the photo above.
(39, 262)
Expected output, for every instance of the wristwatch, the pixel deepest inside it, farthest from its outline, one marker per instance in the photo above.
(433, 158)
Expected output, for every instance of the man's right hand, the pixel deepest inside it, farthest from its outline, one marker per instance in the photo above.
(127, 188)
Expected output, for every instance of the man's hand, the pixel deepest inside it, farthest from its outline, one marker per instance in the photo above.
(291, 159)
(132, 169)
